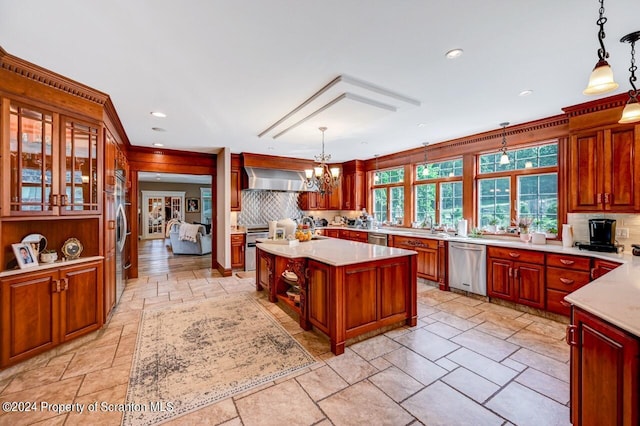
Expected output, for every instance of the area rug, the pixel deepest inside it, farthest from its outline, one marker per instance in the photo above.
(194, 354)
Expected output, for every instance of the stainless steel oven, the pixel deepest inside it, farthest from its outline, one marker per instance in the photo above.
(250, 250)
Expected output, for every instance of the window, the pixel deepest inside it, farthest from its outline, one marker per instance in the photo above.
(439, 198)
(533, 172)
(388, 195)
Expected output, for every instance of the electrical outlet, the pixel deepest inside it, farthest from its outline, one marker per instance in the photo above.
(622, 232)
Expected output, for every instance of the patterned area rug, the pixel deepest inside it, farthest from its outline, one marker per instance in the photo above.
(197, 353)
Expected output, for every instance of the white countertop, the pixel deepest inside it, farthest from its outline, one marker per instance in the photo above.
(45, 266)
(614, 297)
(336, 252)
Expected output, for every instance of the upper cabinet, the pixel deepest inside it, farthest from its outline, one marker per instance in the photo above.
(51, 163)
(353, 186)
(236, 183)
(604, 170)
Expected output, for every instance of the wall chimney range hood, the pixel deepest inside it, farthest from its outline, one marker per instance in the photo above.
(275, 180)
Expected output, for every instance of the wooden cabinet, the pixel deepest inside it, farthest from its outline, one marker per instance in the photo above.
(601, 267)
(516, 275)
(333, 233)
(318, 298)
(604, 372)
(428, 262)
(52, 163)
(265, 273)
(564, 274)
(237, 251)
(354, 235)
(353, 185)
(604, 170)
(44, 308)
(236, 182)
(311, 200)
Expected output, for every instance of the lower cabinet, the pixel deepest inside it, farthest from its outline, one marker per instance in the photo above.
(565, 274)
(604, 372)
(428, 266)
(237, 251)
(601, 267)
(318, 282)
(42, 309)
(265, 273)
(516, 275)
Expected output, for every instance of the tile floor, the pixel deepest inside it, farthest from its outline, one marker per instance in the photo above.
(467, 362)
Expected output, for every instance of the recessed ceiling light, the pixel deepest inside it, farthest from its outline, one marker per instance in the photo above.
(158, 129)
(525, 92)
(270, 148)
(158, 144)
(158, 114)
(421, 124)
(454, 53)
(364, 143)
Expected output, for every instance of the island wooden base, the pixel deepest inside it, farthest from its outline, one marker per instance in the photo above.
(344, 301)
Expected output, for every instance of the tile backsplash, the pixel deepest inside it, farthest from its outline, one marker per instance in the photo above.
(259, 207)
(580, 223)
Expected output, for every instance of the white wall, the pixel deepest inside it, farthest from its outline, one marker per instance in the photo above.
(223, 208)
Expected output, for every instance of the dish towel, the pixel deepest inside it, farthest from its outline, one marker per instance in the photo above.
(188, 232)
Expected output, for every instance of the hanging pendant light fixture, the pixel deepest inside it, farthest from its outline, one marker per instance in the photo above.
(631, 111)
(425, 170)
(601, 79)
(504, 158)
(376, 178)
(323, 178)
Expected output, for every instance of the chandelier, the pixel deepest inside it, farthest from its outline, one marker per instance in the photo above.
(322, 177)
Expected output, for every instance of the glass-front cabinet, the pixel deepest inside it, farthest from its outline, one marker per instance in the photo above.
(52, 163)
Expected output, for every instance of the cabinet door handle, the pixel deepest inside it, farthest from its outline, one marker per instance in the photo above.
(55, 286)
(510, 272)
(112, 224)
(566, 281)
(569, 337)
(54, 199)
(593, 273)
(607, 198)
(515, 273)
(63, 200)
(599, 198)
(565, 303)
(567, 261)
(65, 280)
(514, 254)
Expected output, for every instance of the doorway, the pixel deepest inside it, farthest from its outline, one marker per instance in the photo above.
(158, 207)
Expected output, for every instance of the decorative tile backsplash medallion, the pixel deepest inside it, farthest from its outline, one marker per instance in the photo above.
(259, 207)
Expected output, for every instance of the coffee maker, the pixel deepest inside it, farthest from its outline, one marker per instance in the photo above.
(602, 236)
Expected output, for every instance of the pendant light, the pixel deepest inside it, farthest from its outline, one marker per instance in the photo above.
(601, 79)
(631, 111)
(504, 158)
(425, 171)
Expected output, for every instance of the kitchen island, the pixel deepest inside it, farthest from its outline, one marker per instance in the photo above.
(345, 289)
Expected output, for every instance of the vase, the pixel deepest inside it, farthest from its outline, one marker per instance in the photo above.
(525, 236)
(567, 235)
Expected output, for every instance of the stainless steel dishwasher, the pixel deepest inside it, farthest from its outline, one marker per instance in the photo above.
(377, 238)
(468, 267)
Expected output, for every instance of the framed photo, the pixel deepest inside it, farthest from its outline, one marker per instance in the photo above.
(279, 234)
(25, 256)
(193, 205)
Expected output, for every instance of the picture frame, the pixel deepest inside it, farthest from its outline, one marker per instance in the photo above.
(193, 205)
(279, 234)
(25, 255)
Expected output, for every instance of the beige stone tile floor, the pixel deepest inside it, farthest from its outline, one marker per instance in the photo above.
(467, 362)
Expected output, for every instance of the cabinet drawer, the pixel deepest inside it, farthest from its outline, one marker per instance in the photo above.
(415, 242)
(554, 302)
(569, 262)
(566, 279)
(237, 239)
(516, 254)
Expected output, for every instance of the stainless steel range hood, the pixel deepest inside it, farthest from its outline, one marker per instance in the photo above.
(275, 180)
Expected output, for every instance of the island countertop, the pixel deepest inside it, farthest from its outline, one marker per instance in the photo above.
(336, 252)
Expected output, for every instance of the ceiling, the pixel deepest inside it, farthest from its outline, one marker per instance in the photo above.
(224, 71)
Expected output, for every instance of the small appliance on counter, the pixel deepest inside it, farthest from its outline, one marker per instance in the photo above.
(636, 249)
(602, 237)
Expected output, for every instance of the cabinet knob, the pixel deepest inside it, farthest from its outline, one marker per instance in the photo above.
(567, 262)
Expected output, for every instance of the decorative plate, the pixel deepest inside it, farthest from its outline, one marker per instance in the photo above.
(72, 248)
(36, 239)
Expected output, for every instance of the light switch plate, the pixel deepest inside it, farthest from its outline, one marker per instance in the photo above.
(622, 232)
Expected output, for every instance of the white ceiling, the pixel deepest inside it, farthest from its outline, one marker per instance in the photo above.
(224, 71)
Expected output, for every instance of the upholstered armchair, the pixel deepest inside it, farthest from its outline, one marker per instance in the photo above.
(201, 245)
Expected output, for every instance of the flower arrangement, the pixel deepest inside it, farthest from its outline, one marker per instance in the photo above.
(523, 222)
